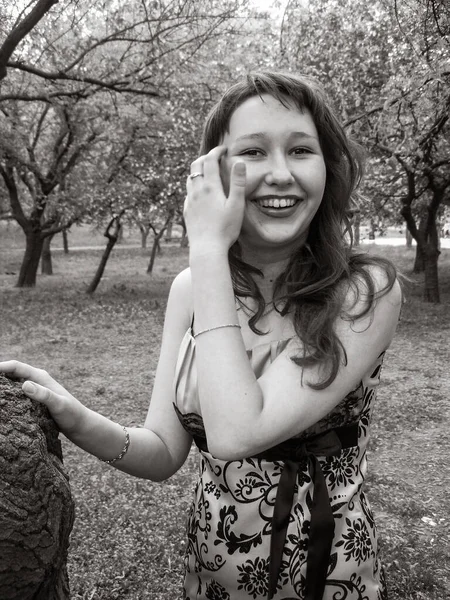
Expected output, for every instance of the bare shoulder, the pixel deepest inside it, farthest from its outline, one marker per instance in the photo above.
(180, 297)
(370, 312)
(373, 289)
(183, 281)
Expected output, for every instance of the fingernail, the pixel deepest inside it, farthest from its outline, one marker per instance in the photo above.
(240, 169)
(29, 387)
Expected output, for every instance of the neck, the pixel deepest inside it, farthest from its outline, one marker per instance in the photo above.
(271, 264)
(271, 261)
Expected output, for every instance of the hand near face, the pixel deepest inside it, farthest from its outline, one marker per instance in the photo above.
(213, 218)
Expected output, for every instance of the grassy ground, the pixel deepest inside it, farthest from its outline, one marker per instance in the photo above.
(127, 541)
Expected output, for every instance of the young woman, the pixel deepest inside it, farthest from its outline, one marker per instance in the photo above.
(271, 354)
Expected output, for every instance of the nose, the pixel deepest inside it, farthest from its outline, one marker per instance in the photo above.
(279, 173)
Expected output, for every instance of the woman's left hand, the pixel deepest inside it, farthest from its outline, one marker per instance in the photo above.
(214, 220)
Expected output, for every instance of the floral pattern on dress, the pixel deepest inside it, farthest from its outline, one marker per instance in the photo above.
(357, 542)
(214, 591)
(243, 543)
(230, 521)
(341, 470)
(254, 577)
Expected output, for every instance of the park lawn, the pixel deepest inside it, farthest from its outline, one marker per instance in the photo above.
(129, 535)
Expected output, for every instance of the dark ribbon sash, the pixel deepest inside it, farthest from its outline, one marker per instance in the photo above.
(293, 453)
(321, 531)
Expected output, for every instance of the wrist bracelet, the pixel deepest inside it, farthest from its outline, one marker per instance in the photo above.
(217, 327)
(124, 449)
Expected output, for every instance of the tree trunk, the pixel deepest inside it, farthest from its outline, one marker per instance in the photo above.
(169, 232)
(156, 242)
(101, 267)
(112, 239)
(155, 247)
(36, 505)
(419, 261)
(408, 237)
(144, 236)
(184, 238)
(30, 262)
(46, 257)
(356, 228)
(65, 241)
(431, 285)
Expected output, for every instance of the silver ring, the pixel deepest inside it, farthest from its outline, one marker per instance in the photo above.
(194, 175)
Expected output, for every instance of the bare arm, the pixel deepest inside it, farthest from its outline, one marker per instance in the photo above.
(243, 415)
(156, 450)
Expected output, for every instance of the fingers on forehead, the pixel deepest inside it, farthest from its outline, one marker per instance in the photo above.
(197, 165)
(211, 163)
(217, 151)
(208, 160)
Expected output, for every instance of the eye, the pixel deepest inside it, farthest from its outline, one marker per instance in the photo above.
(301, 150)
(251, 152)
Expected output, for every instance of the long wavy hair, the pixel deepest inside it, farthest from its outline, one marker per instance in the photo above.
(311, 287)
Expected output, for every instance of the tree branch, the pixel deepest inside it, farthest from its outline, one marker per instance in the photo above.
(16, 208)
(61, 76)
(20, 31)
(391, 102)
(123, 156)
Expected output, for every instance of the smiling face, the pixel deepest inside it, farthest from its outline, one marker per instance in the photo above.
(286, 172)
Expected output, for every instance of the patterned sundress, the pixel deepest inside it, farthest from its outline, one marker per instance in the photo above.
(292, 522)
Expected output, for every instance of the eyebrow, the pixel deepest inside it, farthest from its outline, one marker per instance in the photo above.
(262, 135)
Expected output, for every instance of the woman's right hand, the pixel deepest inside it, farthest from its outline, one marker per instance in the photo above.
(214, 218)
(66, 410)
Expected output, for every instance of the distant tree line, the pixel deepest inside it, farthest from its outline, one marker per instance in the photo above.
(101, 107)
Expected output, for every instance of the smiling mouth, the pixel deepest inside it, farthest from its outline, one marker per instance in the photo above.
(277, 201)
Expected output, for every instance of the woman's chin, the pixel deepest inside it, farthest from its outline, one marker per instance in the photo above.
(284, 242)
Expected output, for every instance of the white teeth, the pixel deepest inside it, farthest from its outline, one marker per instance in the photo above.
(275, 203)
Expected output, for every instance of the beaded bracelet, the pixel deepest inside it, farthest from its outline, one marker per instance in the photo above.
(217, 327)
(124, 449)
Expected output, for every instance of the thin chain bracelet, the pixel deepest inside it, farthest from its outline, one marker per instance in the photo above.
(124, 449)
(217, 327)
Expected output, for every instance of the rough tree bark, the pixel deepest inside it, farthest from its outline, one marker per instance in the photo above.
(36, 506)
